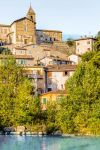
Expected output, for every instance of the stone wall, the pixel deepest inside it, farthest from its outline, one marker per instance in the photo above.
(25, 32)
(48, 36)
(4, 31)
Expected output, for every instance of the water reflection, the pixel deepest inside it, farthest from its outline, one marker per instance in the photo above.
(48, 143)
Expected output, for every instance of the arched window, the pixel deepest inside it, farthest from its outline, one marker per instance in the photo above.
(31, 17)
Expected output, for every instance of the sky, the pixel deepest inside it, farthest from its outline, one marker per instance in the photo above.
(70, 16)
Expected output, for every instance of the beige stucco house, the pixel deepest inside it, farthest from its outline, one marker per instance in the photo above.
(84, 45)
(57, 75)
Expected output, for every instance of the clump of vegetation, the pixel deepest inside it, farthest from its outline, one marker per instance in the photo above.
(70, 42)
(5, 51)
(78, 112)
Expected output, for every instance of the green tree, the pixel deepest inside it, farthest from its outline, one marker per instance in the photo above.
(51, 112)
(15, 97)
(80, 112)
(70, 42)
(5, 51)
(97, 42)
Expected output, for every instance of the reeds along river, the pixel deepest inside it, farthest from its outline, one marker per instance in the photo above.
(48, 143)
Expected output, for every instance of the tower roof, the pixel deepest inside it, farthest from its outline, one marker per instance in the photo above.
(31, 11)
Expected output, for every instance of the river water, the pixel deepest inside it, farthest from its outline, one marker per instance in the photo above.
(48, 143)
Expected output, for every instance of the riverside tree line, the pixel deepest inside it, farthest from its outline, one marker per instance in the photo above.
(78, 112)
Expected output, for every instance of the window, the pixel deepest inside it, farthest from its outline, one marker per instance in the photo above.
(25, 41)
(30, 52)
(65, 73)
(44, 101)
(21, 52)
(21, 61)
(31, 17)
(49, 89)
(50, 39)
(25, 28)
(54, 39)
(62, 86)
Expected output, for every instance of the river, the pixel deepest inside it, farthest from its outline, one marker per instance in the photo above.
(48, 143)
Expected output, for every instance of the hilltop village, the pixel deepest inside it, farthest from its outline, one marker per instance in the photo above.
(49, 62)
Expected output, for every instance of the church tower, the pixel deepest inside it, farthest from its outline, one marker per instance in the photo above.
(31, 14)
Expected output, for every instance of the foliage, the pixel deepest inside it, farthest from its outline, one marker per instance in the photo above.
(70, 42)
(15, 98)
(80, 112)
(5, 51)
(97, 42)
(51, 112)
(98, 34)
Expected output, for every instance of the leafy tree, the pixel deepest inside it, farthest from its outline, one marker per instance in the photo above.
(98, 34)
(97, 42)
(5, 51)
(80, 112)
(15, 97)
(70, 42)
(51, 112)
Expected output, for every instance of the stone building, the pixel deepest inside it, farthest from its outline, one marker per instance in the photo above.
(23, 32)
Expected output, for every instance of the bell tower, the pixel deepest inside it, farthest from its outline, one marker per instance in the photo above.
(31, 14)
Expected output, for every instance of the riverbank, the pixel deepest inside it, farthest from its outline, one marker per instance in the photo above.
(41, 134)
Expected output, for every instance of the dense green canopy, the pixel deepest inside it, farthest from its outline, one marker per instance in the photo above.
(80, 112)
(15, 94)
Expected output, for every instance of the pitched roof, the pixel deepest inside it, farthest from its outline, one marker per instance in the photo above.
(22, 19)
(20, 48)
(16, 56)
(61, 92)
(31, 10)
(23, 57)
(54, 58)
(44, 30)
(4, 25)
(61, 68)
(85, 38)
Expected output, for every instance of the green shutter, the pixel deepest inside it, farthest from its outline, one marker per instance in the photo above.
(44, 101)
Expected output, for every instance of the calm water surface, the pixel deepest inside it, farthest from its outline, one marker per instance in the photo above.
(48, 143)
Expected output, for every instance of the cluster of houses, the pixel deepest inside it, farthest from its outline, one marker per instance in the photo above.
(46, 66)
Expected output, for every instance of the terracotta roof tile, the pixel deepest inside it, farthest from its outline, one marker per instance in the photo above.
(60, 68)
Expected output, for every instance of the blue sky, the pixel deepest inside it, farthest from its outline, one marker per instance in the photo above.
(70, 16)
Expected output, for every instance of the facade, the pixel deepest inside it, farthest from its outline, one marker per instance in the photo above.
(84, 45)
(21, 60)
(41, 53)
(75, 59)
(23, 32)
(37, 77)
(51, 60)
(48, 97)
(48, 36)
(57, 75)
(22, 56)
